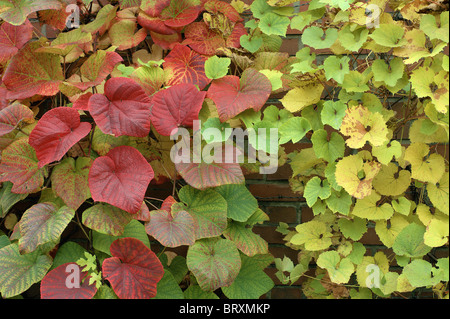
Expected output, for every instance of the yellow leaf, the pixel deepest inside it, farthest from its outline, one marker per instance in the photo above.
(436, 234)
(355, 175)
(425, 215)
(300, 97)
(438, 194)
(391, 181)
(369, 208)
(363, 126)
(387, 234)
(423, 167)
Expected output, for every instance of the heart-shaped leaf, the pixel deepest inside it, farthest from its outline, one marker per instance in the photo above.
(134, 270)
(56, 132)
(67, 281)
(215, 262)
(13, 115)
(70, 181)
(124, 109)
(171, 228)
(13, 38)
(106, 219)
(185, 66)
(41, 224)
(121, 178)
(32, 73)
(19, 165)
(17, 10)
(176, 106)
(233, 95)
(202, 39)
(338, 269)
(240, 202)
(18, 272)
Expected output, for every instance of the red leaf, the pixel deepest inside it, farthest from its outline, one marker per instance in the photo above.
(216, 6)
(154, 8)
(56, 132)
(121, 178)
(186, 66)
(166, 42)
(134, 270)
(60, 283)
(81, 102)
(124, 109)
(233, 95)
(13, 38)
(176, 106)
(234, 39)
(154, 24)
(167, 204)
(179, 13)
(12, 115)
(202, 39)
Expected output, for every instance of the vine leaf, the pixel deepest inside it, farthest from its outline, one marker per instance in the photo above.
(176, 106)
(233, 95)
(424, 166)
(18, 272)
(215, 262)
(410, 241)
(124, 109)
(54, 284)
(240, 202)
(438, 193)
(106, 219)
(318, 39)
(32, 73)
(17, 10)
(12, 115)
(56, 132)
(121, 178)
(133, 270)
(369, 208)
(41, 224)
(313, 234)
(70, 181)
(19, 165)
(392, 180)
(338, 269)
(184, 65)
(13, 38)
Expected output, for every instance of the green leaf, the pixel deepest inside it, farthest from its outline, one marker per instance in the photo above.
(401, 205)
(273, 24)
(168, 288)
(333, 113)
(89, 262)
(390, 73)
(316, 188)
(195, 292)
(338, 269)
(418, 273)
(330, 149)
(251, 43)
(215, 124)
(428, 24)
(215, 262)
(354, 228)
(18, 10)
(260, 8)
(389, 35)
(106, 219)
(69, 252)
(336, 68)
(216, 68)
(8, 199)
(386, 152)
(339, 202)
(41, 224)
(353, 40)
(245, 239)
(240, 202)
(368, 208)
(318, 39)
(355, 81)
(294, 129)
(410, 241)
(274, 77)
(18, 272)
(251, 282)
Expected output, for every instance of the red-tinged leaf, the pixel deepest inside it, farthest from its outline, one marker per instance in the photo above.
(102, 21)
(176, 106)
(54, 18)
(171, 229)
(32, 73)
(56, 132)
(81, 102)
(151, 79)
(106, 219)
(96, 68)
(180, 13)
(185, 66)
(67, 281)
(134, 270)
(233, 95)
(124, 109)
(154, 7)
(3, 101)
(217, 6)
(19, 165)
(13, 115)
(43, 223)
(154, 24)
(167, 204)
(16, 13)
(13, 38)
(143, 214)
(166, 42)
(121, 178)
(123, 35)
(202, 39)
(129, 3)
(234, 39)
(70, 181)
(219, 172)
